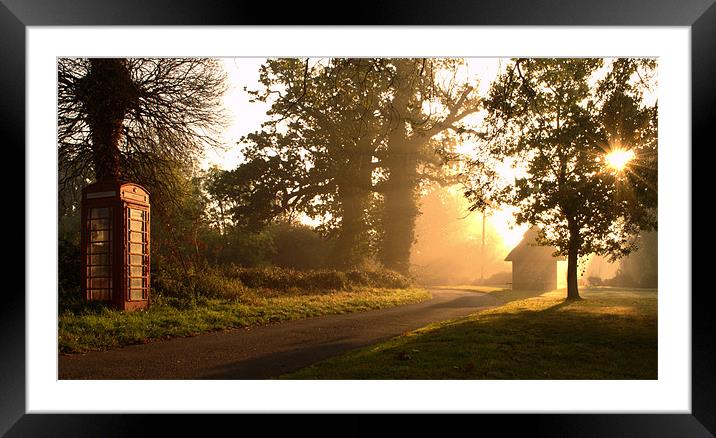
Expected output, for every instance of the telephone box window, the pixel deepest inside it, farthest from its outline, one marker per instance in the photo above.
(99, 255)
(138, 254)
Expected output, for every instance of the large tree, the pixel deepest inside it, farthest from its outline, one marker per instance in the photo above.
(561, 121)
(427, 98)
(315, 155)
(349, 141)
(135, 118)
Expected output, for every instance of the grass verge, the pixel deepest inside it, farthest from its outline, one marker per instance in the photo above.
(103, 328)
(610, 334)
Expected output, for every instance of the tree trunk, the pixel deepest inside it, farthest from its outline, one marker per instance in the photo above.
(351, 248)
(105, 143)
(400, 199)
(107, 93)
(572, 260)
(400, 205)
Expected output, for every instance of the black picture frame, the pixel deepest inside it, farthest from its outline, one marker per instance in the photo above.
(16, 15)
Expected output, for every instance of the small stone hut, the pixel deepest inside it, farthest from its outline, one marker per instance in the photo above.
(533, 267)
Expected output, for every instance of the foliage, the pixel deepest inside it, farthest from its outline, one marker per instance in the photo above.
(229, 281)
(640, 268)
(283, 244)
(286, 279)
(348, 143)
(179, 227)
(547, 114)
(68, 254)
(299, 246)
(315, 154)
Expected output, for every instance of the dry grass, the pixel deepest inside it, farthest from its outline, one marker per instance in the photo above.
(103, 328)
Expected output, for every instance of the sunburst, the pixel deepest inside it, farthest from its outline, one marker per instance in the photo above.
(618, 159)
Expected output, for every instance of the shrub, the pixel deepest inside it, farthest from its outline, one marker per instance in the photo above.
(172, 282)
(212, 283)
(594, 281)
(358, 278)
(69, 266)
(299, 246)
(70, 299)
(323, 279)
(174, 285)
(388, 279)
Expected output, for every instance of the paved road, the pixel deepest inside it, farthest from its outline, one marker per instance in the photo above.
(268, 351)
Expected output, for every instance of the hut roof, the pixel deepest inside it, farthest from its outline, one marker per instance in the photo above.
(528, 249)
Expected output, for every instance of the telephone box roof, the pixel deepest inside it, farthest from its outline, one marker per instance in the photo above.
(100, 185)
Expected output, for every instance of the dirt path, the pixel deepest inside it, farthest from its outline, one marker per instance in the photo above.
(271, 350)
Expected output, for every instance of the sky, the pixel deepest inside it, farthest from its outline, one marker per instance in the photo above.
(245, 117)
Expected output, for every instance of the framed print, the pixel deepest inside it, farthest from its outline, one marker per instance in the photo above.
(678, 400)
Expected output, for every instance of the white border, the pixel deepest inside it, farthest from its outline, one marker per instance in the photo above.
(670, 393)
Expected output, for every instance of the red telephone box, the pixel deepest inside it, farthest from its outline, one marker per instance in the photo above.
(115, 244)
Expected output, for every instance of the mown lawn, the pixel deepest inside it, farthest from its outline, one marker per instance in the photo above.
(610, 334)
(103, 328)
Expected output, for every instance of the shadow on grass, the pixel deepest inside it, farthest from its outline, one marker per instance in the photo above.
(557, 307)
(509, 295)
(504, 295)
(556, 339)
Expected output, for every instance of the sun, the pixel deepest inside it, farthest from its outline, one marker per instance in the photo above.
(618, 159)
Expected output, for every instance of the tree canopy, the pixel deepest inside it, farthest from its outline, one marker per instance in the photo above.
(348, 142)
(560, 120)
(135, 118)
